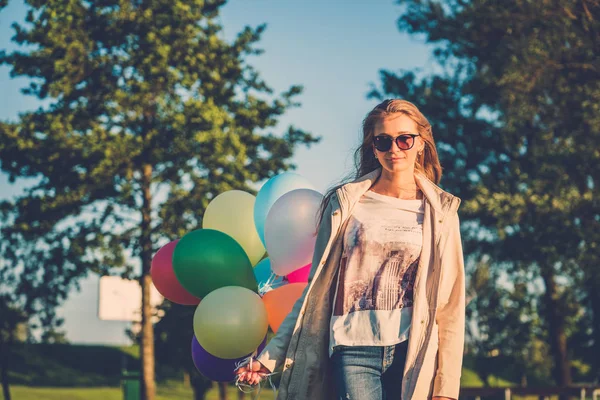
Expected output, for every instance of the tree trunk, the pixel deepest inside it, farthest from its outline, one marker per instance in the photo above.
(147, 348)
(4, 369)
(556, 330)
(594, 297)
(589, 259)
(200, 385)
(222, 391)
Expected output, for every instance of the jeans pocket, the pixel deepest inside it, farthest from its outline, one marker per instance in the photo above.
(337, 348)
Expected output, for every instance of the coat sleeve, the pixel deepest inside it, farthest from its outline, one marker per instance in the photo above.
(273, 356)
(451, 317)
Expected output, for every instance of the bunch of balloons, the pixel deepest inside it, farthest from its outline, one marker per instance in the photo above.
(244, 269)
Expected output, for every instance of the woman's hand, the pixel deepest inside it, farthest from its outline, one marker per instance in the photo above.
(252, 373)
(442, 398)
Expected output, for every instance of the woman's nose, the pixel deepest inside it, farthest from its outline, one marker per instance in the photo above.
(395, 148)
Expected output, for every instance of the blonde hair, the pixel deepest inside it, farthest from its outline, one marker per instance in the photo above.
(365, 161)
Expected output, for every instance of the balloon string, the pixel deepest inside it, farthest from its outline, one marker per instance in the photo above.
(270, 284)
(248, 389)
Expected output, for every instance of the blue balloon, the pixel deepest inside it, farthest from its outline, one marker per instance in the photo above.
(265, 277)
(273, 189)
(262, 271)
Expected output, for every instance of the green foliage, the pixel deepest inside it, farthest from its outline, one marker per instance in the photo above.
(149, 113)
(514, 106)
(12, 321)
(132, 85)
(504, 331)
(62, 365)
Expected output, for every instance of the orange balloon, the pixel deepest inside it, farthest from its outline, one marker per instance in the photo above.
(279, 302)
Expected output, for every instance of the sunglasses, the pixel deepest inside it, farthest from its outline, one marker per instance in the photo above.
(404, 142)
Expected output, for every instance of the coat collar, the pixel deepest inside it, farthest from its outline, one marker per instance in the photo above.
(440, 200)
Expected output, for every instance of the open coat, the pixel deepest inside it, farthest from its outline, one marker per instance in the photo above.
(435, 352)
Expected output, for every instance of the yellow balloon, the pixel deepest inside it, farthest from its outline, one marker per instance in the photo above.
(232, 212)
(230, 322)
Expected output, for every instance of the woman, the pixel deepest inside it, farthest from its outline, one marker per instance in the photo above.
(383, 314)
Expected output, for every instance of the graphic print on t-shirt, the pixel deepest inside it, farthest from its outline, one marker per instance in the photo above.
(379, 264)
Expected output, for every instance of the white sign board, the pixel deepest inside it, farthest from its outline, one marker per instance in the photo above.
(121, 299)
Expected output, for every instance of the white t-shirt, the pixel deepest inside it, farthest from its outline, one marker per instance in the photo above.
(374, 292)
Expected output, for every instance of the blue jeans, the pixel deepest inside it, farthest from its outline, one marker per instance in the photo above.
(369, 372)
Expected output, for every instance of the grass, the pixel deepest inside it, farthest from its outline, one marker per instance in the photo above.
(41, 393)
(113, 393)
(470, 379)
(169, 391)
(82, 372)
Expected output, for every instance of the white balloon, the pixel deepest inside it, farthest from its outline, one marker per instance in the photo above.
(272, 190)
(291, 230)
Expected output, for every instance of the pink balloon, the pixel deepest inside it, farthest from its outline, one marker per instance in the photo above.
(164, 278)
(300, 275)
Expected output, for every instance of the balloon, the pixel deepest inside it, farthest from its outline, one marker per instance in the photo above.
(290, 230)
(279, 302)
(264, 276)
(299, 275)
(273, 189)
(230, 322)
(164, 278)
(205, 260)
(232, 212)
(215, 368)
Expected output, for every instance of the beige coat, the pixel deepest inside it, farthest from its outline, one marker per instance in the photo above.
(435, 352)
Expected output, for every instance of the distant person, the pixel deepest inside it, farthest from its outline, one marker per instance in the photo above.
(383, 315)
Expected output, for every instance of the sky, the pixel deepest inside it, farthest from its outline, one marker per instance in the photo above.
(335, 49)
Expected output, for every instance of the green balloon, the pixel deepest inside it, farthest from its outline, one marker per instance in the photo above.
(206, 259)
(230, 322)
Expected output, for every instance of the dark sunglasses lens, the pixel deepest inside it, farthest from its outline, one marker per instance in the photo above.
(404, 142)
(383, 143)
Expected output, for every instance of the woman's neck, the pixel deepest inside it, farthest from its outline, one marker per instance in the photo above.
(401, 185)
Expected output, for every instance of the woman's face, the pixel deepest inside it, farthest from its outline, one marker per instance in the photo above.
(397, 158)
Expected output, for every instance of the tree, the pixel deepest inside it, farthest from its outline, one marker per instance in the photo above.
(12, 317)
(26, 304)
(149, 113)
(514, 107)
(504, 336)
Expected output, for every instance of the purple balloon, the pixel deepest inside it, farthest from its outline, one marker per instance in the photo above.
(215, 368)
